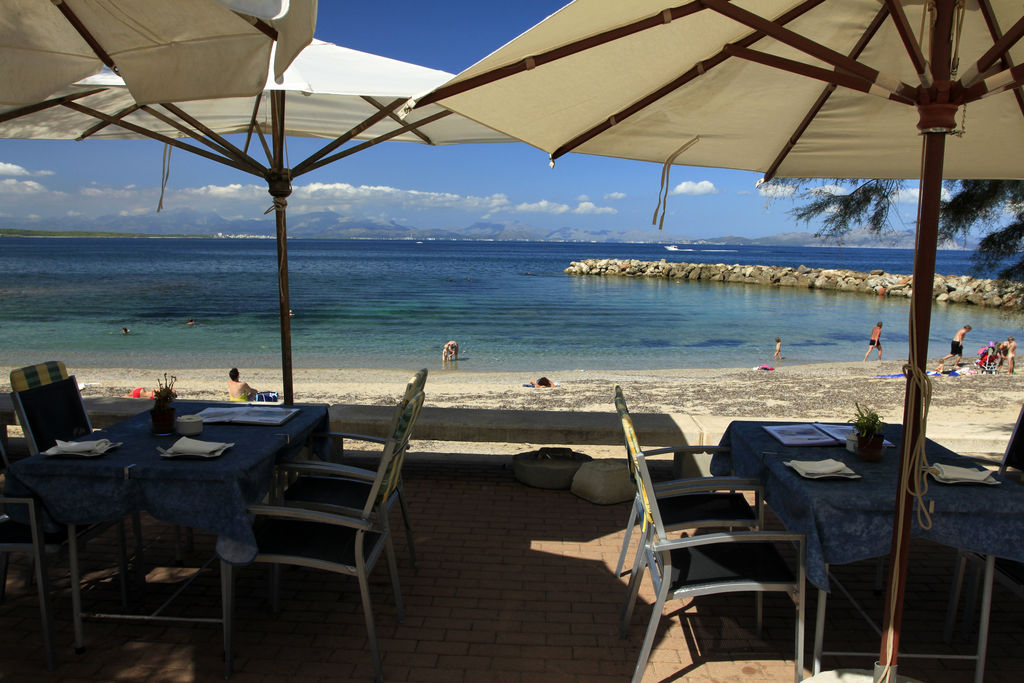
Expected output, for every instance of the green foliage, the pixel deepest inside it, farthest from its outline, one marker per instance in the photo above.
(995, 206)
(867, 422)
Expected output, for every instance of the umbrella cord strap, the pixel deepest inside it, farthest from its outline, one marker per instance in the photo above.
(165, 174)
(663, 188)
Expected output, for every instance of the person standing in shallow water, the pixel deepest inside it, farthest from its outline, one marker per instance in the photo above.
(778, 349)
(875, 342)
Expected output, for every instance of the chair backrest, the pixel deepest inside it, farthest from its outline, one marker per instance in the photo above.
(637, 466)
(389, 471)
(49, 405)
(415, 386)
(1014, 455)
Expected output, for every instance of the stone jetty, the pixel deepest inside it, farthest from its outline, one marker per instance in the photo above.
(956, 289)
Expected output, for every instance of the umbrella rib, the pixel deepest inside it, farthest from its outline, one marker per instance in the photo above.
(97, 127)
(252, 121)
(398, 119)
(197, 136)
(836, 77)
(862, 43)
(370, 143)
(993, 85)
(696, 70)
(997, 51)
(660, 19)
(87, 36)
(75, 106)
(43, 106)
(221, 142)
(806, 45)
(993, 28)
(917, 58)
(380, 115)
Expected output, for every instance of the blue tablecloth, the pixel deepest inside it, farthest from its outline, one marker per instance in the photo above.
(846, 520)
(210, 494)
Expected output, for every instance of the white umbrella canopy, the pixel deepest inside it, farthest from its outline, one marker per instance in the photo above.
(331, 89)
(328, 92)
(815, 88)
(743, 112)
(165, 51)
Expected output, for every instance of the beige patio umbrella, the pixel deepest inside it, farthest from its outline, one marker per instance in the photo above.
(330, 92)
(813, 88)
(164, 51)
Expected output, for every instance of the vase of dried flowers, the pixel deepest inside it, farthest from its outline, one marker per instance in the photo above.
(162, 413)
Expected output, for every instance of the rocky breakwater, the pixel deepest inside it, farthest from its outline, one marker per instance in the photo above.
(957, 289)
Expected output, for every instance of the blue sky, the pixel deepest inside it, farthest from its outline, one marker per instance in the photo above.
(401, 181)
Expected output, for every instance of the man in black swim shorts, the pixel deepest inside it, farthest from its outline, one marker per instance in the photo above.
(956, 348)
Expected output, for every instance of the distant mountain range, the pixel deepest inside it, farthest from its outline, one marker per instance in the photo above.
(327, 224)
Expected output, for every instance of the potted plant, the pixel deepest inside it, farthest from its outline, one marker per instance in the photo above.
(162, 412)
(870, 437)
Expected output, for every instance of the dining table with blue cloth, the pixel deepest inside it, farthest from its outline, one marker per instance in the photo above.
(847, 520)
(202, 493)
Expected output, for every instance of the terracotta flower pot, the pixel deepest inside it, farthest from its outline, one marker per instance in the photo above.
(163, 421)
(869, 448)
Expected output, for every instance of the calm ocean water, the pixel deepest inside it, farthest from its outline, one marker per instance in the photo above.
(393, 304)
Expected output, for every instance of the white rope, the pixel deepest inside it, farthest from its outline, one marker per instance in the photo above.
(165, 175)
(663, 188)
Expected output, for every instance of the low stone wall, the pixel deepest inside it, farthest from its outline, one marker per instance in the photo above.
(959, 289)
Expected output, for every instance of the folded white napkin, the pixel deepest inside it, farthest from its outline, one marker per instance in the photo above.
(80, 447)
(187, 446)
(953, 473)
(828, 466)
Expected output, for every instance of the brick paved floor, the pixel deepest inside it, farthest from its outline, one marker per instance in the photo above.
(514, 584)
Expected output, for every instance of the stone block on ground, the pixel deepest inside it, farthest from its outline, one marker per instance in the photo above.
(604, 482)
(548, 467)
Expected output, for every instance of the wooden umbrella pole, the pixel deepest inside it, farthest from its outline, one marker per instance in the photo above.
(936, 122)
(280, 185)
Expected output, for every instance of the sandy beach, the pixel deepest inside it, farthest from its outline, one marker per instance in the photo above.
(820, 391)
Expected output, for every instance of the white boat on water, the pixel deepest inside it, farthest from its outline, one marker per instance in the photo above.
(671, 247)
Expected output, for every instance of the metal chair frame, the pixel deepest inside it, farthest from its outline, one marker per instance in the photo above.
(693, 503)
(671, 562)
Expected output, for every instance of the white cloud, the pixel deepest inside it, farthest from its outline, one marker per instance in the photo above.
(15, 170)
(583, 198)
(834, 190)
(910, 195)
(691, 188)
(139, 211)
(775, 191)
(590, 208)
(109, 192)
(612, 196)
(543, 206)
(232, 191)
(20, 187)
(409, 198)
(12, 169)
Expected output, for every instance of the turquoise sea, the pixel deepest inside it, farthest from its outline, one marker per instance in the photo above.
(393, 304)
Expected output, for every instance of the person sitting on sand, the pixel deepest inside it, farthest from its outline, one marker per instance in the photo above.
(241, 391)
(450, 351)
